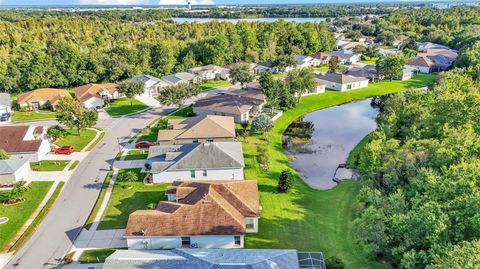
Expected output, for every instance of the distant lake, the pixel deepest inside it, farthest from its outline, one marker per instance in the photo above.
(337, 131)
(205, 20)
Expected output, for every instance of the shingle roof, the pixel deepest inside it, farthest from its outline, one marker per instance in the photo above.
(182, 76)
(5, 99)
(85, 92)
(11, 140)
(232, 101)
(204, 259)
(10, 166)
(368, 70)
(420, 61)
(341, 54)
(340, 78)
(321, 56)
(45, 94)
(213, 208)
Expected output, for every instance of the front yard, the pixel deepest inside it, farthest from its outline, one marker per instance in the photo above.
(19, 214)
(121, 107)
(77, 141)
(49, 165)
(136, 154)
(95, 255)
(125, 200)
(153, 133)
(214, 84)
(26, 116)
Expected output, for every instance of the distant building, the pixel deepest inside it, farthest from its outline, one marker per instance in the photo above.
(342, 82)
(95, 95)
(182, 77)
(45, 98)
(152, 86)
(209, 72)
(346, 57)
(323, 57)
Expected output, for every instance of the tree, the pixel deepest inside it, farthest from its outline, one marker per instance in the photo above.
(284, 61)
(285, 181)
(72, 114)
(127, 177)
(4, 155)
(177, 94)
(333, 64)
(354, 35)
(360, 49)
(390, 66)
(334, 262)
(131, 88)
(18, 191)
(55, 132)
(270, 89)
(465, 255)
(410, 43)
(262, 123)
(241, 73)
(300, 82)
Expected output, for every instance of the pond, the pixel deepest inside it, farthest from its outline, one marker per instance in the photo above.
(205, 20)
(336, 131)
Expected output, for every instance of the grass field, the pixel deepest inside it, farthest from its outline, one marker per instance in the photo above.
(136, 154)
(18, 116)
(126, 200)
(95, 255)
(305, 218)
(213, 84)
(369, 60)
(77, 141)
(19, 214)
(322, 68)
(49, 165)
(123, 107)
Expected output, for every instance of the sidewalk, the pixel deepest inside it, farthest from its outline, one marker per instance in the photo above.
(93, 140)
(100, 239)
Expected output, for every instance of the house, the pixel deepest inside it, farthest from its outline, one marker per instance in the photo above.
(46, 98)
(367, 71)
(319, 88)
(323, 57)
(420, 64)
(407, 73)
(24, 142)
(232, 65)
(198, 214)
(304, 61)
(342, 82)
(5, 103)
(209, 72)
(196, 161)
(346, 57)
(182, 77)
(263, 67)
(95, 95)
(441, 62)
(190, 258)
(240, 104)
(424, 46)
(445, 52)
(152, 85)
(350, 46)
(13, 170)
(198, 129)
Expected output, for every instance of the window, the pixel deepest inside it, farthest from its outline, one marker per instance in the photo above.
(349, 86)
(195, 140)
(238, 240)
(249, 223)
(209, 139)
(205, 173)
(192, 173)
(186, 241)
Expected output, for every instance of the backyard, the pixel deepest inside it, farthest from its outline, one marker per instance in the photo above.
(19, 214)
(19, 116)
(122, 107)
(322, 219)
(128, 197)
(77, 141)
(213, 84)
(49, 165)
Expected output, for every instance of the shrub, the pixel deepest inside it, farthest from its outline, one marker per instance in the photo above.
(163, 124)
(334, 263)
(127, 176)
(4, 155)
(56, 132)
(285, 182)
(262, 123)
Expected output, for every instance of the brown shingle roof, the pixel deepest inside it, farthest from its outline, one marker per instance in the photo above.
(45, 94)
(321, 56)
(340, 78)
(420, 61)
(446, 52)
(85, 92)
(208, 208)
(224, 103)
(11, 140)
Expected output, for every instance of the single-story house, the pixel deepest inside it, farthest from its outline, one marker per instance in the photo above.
(342, 82)
(346, 57)
(323, 57)
(24, 142)
(263, 67)
(319, 88)
(198, 214)
(5, 103)
(207, 128)
(196, 161)
(206, 259)
(445, 52)
(367, 71)
(407, 73)
(152, 86)
(209, 72)
(14, 170)
(350, 45)
(424, 46)
(46, 98)
(304, 61)
(240, 104)
(232, 65)
(182, 77)
(420, 64)
(95, 95)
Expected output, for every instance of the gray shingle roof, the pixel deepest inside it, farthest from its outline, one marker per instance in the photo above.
(10, 166)
(340, 78)
(204, 259)
(5, 99)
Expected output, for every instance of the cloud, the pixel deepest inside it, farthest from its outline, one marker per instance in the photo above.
(112, 2)
(184, 2)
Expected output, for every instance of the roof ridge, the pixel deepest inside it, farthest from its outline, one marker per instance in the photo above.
(235, 195)
(218, 124)
(216, 145)
(223, 205)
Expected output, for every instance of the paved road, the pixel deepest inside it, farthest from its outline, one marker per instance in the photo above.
(56, 233)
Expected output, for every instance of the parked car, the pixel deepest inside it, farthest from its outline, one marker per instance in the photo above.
(143, 144)
(63, 150)
(5, 117)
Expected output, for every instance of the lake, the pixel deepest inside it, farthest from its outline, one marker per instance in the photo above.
(205, 20)
(337, 130)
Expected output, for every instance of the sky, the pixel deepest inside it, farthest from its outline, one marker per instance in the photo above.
(169, 2)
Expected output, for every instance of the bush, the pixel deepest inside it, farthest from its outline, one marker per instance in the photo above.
(334, 263)
(128, 176)
(262, 123)
(263, 157)
(163, 124)
(285, 182)
(4, 155)
(56, 132)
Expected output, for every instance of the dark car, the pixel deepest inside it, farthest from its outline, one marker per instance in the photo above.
(63, 150)
(5, 117)
(143, 144)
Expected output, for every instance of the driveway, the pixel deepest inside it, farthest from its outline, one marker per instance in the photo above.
(56, 234)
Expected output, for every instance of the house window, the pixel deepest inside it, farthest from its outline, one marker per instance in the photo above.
(349, 86)
(195, 140)
(186, 241)
(209, 139)
(250, 224)
(238, 240)
(205, 173)
(192, 173)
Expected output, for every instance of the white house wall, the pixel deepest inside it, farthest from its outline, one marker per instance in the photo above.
(236, 118)
(344, 87)
(212, 174)
(421, 69)
(169, 242)
(93, 103)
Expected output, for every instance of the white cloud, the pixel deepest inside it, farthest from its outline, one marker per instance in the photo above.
(184, 2)
(112, 2)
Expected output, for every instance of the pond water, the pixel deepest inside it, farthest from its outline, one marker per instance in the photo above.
(337, 130)
(205, 20)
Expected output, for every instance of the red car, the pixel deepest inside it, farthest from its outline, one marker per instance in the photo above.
(63, 150)
(143, 144)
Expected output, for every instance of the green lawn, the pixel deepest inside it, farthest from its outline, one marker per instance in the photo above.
(369, 60)
(126, 200)
(18, 214)
(95, 255)
(323, 68)
(77, 141)
(213, 84)
(121, 107)
(136, 154)
(308, 219)
(18, 116)
(48, 165)
(179, 114)
(74, 165)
